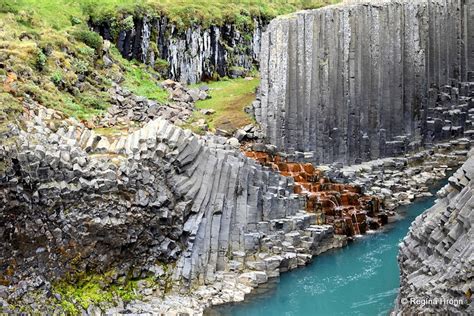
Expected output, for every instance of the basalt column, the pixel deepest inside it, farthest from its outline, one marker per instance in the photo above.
(350, 82)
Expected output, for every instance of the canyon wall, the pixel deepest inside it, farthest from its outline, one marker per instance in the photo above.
(74, 201)
(360, 81)
(193, 54)
(437, 256)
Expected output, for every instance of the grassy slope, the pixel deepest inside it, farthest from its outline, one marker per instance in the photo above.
(182, 12)
(33, 73)
(228, 99)
(50, 22)
(46, 62)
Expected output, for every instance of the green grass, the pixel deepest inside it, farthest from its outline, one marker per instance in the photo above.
(141, 79)
(229, 97)
(48, 63)
(141, 82)
(10, 110)
(55, 13)
(186, 12)
(60, 14)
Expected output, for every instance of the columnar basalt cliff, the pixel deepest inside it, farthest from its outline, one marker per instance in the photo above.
(194, 54)
(203, 222)
(437, 256)
(88, 203)
(356, 82)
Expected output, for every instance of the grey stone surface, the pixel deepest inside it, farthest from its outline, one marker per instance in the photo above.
(355, 82)
(85, 202)
(127, 108)
(436, 258)
(193, 54)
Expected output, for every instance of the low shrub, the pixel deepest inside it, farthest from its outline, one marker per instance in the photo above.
(89, 38)
(40, 60)
(57, 78)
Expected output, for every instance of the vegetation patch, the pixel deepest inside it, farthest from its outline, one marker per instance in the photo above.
(63, 69)
(97, 289)
(91, 39)
(229, 97)
(141, 79)
(183, 13)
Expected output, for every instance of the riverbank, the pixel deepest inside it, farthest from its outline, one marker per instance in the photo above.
(361, 279)
(396, 181)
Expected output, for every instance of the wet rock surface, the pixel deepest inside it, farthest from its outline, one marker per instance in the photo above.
(341, 205)
(436, 257)
(352, 83)
(398, 181)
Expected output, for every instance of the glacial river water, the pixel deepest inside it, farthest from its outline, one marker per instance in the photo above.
(361, 279)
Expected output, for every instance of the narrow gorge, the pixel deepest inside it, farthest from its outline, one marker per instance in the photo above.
(113, 203)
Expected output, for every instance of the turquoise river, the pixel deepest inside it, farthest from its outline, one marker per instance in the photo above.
(361, 279)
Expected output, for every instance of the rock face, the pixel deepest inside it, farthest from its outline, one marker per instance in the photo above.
(355, 82)
(193, 54)
(74, 201)
(437, 257)
(341, 205)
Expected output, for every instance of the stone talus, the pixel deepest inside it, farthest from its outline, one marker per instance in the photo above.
(351, 82)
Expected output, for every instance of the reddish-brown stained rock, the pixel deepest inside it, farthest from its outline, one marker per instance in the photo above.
(341, 205)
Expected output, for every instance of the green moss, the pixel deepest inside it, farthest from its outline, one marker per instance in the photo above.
(161, 67)
(69, 308)
(82, 291)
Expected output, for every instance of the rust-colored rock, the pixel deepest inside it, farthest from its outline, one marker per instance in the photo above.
(341, 205)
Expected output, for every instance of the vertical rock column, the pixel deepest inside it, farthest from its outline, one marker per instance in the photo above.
(349, 82)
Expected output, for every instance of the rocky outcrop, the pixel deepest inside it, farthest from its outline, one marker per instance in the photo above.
(355, 82)
(436, 257)
(342, 206)
(398, 181)
(73, 201)
(193, 54)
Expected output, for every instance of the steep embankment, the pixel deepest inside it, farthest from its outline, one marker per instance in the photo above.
(193, 41)
(437, 257)
(352, 82)
(191, 55)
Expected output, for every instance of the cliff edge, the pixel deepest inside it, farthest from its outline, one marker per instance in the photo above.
(437, 255)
